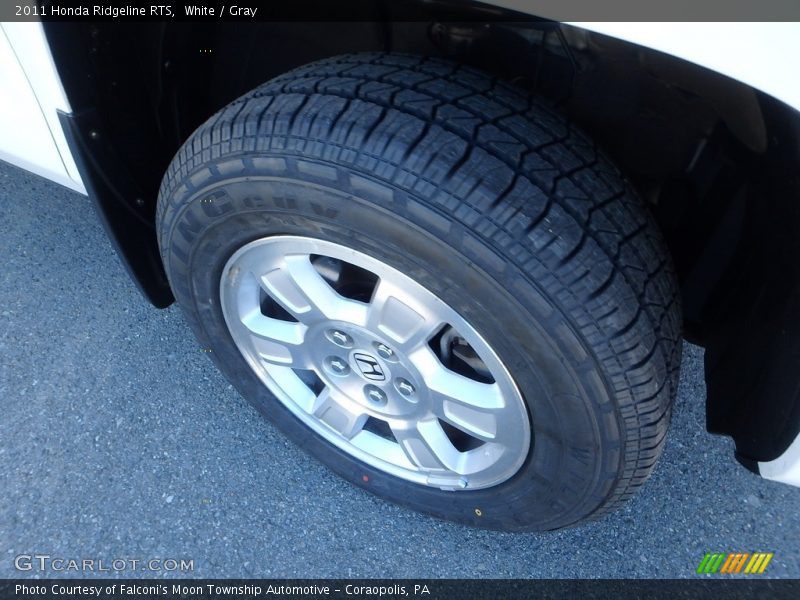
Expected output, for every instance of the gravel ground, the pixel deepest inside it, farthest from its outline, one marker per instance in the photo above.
(119, 439)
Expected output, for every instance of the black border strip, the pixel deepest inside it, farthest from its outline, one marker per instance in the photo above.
(395, 589)
(403, 10)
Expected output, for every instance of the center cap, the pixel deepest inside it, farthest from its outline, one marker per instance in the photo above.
(369, 367)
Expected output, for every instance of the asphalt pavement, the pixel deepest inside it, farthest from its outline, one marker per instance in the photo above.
(120, 440)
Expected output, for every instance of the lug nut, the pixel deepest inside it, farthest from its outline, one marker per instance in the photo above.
(384, 351)
(375, 395)
(337, 365)
(340, 338)
(405, 387)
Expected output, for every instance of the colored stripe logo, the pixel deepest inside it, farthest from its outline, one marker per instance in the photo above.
(734, 562)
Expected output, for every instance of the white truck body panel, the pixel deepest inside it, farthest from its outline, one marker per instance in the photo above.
(785, 468)
(765, 56)
(30, 97)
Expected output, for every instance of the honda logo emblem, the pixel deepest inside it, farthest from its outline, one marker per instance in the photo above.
(369, 367)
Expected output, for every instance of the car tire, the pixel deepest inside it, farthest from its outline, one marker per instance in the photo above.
(482, 211)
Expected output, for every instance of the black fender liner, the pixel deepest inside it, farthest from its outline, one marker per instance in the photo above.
(752, 333)
(116, 200)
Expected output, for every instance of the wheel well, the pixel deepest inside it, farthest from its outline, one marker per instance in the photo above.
(715, 159)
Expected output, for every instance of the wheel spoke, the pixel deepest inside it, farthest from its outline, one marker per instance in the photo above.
(406, 322)
(427, 445)
(278, 342)
(300, 289)
(447, 385)
(478, 423)
(331, 410)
